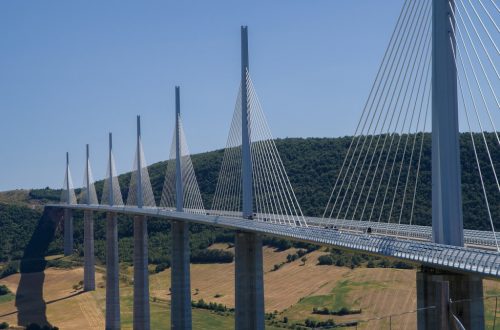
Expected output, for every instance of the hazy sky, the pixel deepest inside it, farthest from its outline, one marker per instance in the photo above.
(71, 71)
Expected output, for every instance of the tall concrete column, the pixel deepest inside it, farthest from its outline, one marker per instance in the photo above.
(181, 282)
(88, 234)
(434, 287)
(249, 282)
(447, 222)
(112, 260)
(249, 275)
(112, 274)
(180, 306)
(141, 274)
(68, 232)
(437, 288)
(88, 252)
(68, 215)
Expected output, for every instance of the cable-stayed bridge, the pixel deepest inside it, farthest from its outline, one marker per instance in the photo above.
(439, 69)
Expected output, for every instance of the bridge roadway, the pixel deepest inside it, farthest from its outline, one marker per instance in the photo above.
(476, 238)
(458, 259)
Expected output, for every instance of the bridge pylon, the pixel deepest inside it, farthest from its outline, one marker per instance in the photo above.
(142, 320)
(438, 287)
(180, 280)
(111, 195)
(88, 229)
(249, 276)
(68, 197)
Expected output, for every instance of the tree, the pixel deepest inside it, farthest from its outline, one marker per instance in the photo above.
(4, 290)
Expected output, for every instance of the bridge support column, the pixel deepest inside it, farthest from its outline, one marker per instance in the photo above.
(180, 278)
(249, 282)
(68, 232)
(112, 274)
(439, 288)
(88, 251)
(141, 274)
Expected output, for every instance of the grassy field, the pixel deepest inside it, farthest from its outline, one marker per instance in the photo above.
(293, 291)
(6, 298)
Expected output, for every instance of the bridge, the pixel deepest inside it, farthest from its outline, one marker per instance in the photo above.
(439, 60)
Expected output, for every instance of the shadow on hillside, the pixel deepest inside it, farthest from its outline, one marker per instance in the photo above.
(31, 307)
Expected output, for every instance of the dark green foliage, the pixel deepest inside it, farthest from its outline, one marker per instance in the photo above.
(341, 312)
(277, 266)
(279, 243)
(343, 258)
(46, 194)
(291, 257)
(4, 325)
(11, 268)
(161, 267)
(211, 256)
(326, 260)
(16, 223)
(401, 265)
(301, 253)
(211, 306)
(4, 290)
(318, 324)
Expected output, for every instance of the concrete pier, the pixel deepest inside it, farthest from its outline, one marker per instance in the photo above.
(437, 288)
(181, 283)
(88, 251)
(249, 282)
(68, 232)
(141, 274)
(112, 274)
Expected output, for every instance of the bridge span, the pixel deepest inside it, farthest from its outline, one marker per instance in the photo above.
(453, 258)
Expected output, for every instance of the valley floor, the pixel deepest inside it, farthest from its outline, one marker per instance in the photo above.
(293, 291)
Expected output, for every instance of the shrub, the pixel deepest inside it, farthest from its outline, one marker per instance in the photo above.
(11, 268)
(401, 265)
(277, 266)
(291, 257)
(210, 306)
(211, 256)
(340, 312)
(325, 260)
(4, 325)
(301, 253)
(3, 291)
(161, 267)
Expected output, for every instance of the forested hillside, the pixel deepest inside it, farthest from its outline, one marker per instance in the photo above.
(312, 165)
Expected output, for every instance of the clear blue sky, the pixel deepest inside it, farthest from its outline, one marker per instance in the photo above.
(71, 71)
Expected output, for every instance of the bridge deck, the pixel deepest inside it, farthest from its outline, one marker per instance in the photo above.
(478, 238)
(467, 260)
